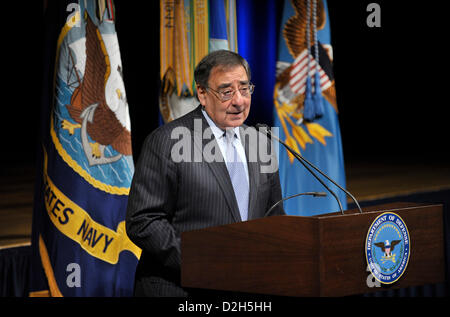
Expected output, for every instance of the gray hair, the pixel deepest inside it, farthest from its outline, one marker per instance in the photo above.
(222, 58)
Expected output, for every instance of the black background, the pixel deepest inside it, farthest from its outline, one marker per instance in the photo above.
(390, 81)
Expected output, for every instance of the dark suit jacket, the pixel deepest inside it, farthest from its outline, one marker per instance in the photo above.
(169, 197)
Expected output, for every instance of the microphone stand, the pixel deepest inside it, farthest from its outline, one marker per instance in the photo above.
(315, 194)
(306, 162)
(324, 175)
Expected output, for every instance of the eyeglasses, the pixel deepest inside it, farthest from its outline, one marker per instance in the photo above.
(228, 93)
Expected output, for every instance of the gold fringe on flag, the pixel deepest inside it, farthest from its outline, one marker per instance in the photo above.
(200, 30)
(181, 54)
(184, 41)
(174, 45)
(167, 26)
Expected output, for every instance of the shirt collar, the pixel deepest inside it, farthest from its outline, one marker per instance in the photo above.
(218, 132)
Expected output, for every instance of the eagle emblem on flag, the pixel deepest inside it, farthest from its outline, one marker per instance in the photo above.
(308, 75)
(91, 129)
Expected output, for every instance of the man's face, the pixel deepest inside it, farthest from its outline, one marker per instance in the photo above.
(231, 113)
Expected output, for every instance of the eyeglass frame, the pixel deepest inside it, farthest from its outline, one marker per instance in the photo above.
(250, 86)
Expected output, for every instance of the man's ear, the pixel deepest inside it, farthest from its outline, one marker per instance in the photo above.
(201, 94)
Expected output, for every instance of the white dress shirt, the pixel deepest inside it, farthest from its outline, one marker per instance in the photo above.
(219, 135)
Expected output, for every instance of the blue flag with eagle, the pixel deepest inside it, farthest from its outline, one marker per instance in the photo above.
(305, 107)
(79, 243)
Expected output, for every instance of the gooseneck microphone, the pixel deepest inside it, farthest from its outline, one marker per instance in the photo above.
(314, 194)
(305, 163)
(269, 134)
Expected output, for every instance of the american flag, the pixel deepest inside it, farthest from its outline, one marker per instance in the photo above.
(297, 81)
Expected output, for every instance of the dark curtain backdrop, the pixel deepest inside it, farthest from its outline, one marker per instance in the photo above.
(14, 266)
(258, 30)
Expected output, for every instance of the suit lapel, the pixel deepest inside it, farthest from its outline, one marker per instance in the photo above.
(218, 168)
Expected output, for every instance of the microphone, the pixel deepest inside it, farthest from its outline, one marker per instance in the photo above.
(268, 133)
(305, 162)
(314, 194)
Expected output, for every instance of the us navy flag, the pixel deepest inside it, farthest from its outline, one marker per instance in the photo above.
(79, 243)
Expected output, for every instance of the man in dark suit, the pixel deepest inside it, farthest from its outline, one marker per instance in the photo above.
(201, 170)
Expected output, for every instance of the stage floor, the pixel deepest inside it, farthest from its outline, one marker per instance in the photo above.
(365, 180)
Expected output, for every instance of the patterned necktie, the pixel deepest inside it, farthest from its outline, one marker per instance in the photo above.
(237, 172)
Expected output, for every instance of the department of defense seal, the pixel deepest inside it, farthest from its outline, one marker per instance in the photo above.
(387, 248)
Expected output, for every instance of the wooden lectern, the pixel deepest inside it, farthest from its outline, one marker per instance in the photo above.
(322, 255)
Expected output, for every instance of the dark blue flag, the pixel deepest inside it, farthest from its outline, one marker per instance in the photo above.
(79, 243)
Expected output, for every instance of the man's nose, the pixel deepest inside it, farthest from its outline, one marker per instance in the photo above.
(238, 99)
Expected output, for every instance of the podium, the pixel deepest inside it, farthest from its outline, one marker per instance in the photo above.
(321, 255)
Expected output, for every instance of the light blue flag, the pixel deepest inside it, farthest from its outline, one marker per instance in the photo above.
(305, 108)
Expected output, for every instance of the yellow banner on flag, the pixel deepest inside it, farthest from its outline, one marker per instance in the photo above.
(75, 223)
(174, 45)
(200, 30)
